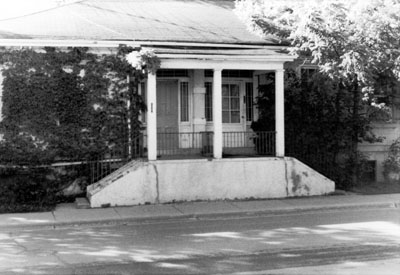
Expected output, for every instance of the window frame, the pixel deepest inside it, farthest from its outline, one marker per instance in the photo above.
(241, 82)
(249, 103)
(230, 98)
(187, 100)
(208, 101)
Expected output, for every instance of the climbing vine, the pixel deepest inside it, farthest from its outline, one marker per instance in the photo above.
(69, 104)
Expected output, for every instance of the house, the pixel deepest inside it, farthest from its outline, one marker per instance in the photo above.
(200, 101)
(377, 152)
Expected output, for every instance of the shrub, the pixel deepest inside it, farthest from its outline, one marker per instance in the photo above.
(392, 163)
(26, 189)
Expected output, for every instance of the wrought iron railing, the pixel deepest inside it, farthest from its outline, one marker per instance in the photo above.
(201, 143)
(249, 143)
(313, 155)
(114, 157)
(183, 144)
(186, 144)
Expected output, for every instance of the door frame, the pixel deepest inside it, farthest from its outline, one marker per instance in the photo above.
(242, 125)
(175, 81)
(179, 80)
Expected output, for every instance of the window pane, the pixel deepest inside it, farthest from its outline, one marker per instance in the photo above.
(249, 101)
(235, 117)
(235, 90)
(225, 103)
(225, 116)
(208, 101)
(235, 104)
(184, 101)
(225, 90)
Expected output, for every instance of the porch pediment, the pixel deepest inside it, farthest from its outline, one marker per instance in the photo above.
(252, 58)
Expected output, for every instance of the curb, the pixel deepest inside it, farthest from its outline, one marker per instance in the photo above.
(234, 214)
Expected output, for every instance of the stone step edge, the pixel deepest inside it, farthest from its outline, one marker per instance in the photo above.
(121, 172)
(82, 203)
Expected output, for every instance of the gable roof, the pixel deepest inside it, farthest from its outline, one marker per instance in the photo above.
(190, 21)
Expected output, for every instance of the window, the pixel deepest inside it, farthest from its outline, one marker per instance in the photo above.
(231, 73)
(172, 73)
(184, 94)
(249, 102)
(208, 102)
(369, 172)
(230, 103)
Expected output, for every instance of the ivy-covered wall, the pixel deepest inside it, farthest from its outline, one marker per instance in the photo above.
(66, 104)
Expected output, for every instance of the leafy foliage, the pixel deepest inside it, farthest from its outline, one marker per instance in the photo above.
(354, 45)
(392, 162)
(348, 39)
(63, 105)
(66, 104)
(25, 190)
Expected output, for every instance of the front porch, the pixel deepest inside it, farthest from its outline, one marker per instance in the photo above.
(201, 104)
(197, 142)
(206, 107)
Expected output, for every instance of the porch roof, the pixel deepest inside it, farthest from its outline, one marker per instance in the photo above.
(261, 58)
(201, 21)
(267, 53)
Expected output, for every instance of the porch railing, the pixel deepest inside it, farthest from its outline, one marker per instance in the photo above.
(186, 143)
(116, 156)
(313, 155)
(201, 143)
(249, 143)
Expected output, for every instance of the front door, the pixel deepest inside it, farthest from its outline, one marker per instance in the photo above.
(167, 116)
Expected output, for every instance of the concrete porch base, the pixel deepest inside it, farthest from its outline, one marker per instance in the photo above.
(202, 179)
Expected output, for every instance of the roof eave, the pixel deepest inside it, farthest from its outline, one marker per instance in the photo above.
(258, 58)
(28, 42)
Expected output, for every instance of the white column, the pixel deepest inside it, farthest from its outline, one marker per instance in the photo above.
(279, 113)
(151, 117)
(217, 113)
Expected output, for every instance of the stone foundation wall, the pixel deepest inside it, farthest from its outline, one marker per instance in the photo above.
(193, 180)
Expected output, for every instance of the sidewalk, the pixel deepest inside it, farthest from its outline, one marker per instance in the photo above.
(69, 215)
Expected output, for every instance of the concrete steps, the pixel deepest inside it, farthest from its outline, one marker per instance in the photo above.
(82, 203)
(114, 176)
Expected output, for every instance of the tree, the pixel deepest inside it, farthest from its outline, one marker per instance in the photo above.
(355, 45)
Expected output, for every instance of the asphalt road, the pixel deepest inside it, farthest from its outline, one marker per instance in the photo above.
(322, 242)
